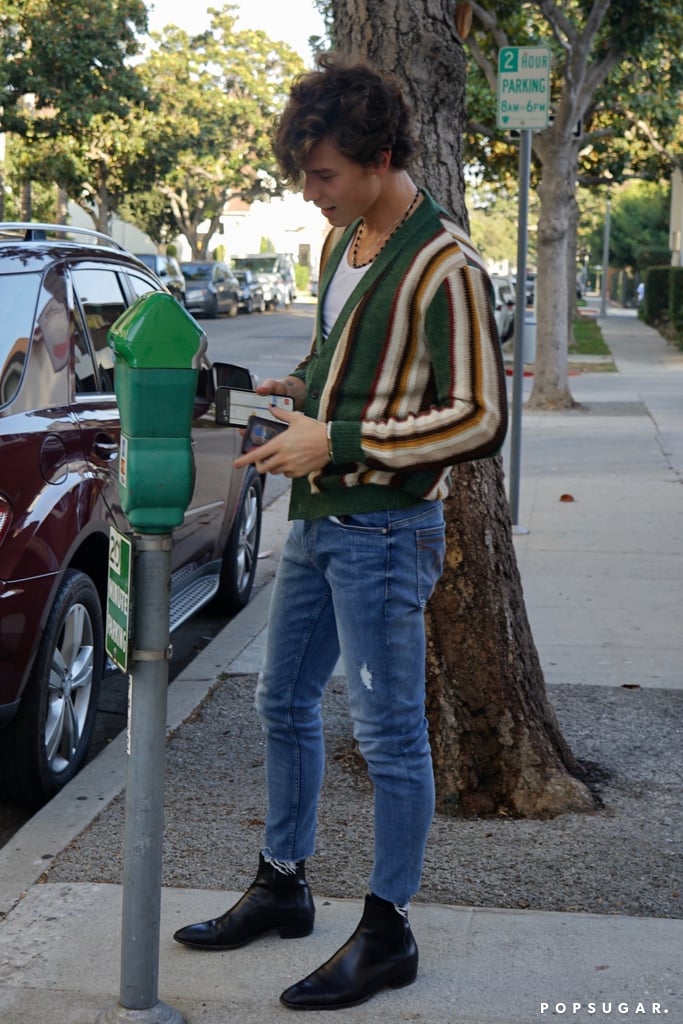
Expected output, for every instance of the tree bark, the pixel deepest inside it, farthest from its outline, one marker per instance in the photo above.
(497, 745)
(496, 742)
(556, 189)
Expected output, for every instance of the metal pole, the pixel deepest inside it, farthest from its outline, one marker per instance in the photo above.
(145, 790)
(605, 259)
(520, 315)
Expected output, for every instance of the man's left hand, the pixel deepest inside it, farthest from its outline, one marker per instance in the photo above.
(297, 451)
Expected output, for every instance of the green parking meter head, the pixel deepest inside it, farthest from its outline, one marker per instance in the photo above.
(156, 332)
(158, 349)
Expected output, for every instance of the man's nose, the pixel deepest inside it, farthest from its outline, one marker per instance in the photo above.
(310, 190)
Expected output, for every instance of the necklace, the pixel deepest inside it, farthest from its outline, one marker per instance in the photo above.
(383, 239)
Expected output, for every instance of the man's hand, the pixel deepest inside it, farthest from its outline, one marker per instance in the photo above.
(295, 452)
(291, 387)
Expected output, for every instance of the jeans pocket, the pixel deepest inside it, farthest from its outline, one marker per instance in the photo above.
(431, 548)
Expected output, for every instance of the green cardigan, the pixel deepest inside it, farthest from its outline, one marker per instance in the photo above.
(411, 376)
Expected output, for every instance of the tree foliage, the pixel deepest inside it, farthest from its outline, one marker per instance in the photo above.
(639, 225)
(170, 139)
(219, 94)
(615, 71)
(64, 61)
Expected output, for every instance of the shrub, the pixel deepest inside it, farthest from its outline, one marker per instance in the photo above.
(656, 301)
(676, 303)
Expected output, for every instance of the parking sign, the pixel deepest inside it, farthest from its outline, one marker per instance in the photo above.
(118, 598)
(523, 87)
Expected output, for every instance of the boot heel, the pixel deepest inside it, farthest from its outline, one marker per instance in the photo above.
(404, 978)
(295, 931)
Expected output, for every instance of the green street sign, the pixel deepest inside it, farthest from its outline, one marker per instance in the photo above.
(523, 87)
(118, 598)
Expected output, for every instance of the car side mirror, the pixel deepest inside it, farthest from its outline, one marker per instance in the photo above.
(229, 375)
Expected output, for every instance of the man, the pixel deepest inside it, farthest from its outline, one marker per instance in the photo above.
(403, 380)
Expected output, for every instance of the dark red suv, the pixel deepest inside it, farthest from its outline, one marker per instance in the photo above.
(59, 446)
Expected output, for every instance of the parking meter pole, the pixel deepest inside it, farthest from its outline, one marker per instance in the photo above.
(145, 785)
(140, 923)
(520, 315)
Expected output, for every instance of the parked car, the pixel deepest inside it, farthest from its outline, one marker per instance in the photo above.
(167, 270)
(251, 292)
(504, 306)
(211, 288)
(278, 264)
(59, 448)
(273, 290)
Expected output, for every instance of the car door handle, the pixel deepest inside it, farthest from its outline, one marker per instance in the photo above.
(105, 447)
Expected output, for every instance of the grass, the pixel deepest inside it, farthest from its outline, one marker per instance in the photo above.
(588, 339)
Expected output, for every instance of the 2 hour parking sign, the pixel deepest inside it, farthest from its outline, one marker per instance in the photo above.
(523, 87)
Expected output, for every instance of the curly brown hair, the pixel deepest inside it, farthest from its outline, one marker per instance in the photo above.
(354, 106)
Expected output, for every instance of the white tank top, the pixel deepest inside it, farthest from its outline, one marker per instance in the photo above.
(342, 284)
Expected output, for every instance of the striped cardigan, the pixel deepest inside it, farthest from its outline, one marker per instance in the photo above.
(411, 375)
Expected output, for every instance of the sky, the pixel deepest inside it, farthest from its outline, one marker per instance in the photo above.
(289, 21)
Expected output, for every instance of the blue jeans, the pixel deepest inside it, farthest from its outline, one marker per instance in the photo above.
(356, 587)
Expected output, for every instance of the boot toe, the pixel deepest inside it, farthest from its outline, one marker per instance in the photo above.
(200, 936)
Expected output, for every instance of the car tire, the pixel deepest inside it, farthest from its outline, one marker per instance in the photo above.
(48, 741)
(212, 309)
(249, 305)
(233, 308)
(241, 551)
(261, 308)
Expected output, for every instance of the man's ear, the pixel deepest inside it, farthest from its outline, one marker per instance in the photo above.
(383, 161)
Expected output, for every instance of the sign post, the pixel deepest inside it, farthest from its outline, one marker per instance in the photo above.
(523, 104)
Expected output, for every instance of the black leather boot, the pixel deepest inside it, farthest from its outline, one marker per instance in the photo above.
(381, 951)
(273, 902)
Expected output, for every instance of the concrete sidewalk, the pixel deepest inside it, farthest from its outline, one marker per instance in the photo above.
(603, 584)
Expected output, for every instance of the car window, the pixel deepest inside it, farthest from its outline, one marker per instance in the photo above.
(99, 292)
(140, 285)
(86, 378)
(18, 294)
(148, 259)
(196, 272)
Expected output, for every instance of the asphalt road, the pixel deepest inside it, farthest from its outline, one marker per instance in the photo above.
(270, 344)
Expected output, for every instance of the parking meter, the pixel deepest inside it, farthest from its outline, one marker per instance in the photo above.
(158, 348)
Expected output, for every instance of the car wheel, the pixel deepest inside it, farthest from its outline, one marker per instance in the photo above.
(212, 308)
(249, 305)
(241, 551)
(234, 306)
(48, 741)
(261, 308)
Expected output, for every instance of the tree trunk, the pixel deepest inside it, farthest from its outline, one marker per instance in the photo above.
(551, 389)
(497, 745)
(26, 201)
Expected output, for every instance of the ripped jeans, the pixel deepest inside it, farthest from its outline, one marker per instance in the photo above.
(356, 587)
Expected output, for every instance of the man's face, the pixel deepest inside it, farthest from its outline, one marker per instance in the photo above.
(342, 189)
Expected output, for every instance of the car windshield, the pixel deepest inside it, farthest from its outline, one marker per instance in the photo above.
(196, 272)
(264, 264)
(18, 295)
